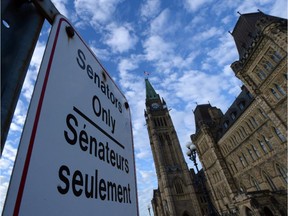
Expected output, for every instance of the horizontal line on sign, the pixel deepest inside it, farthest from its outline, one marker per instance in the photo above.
(96, 126)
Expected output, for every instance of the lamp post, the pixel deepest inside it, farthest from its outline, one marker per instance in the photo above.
(149, 210)
(192, 153)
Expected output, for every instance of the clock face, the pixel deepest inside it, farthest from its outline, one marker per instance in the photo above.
(155, 106)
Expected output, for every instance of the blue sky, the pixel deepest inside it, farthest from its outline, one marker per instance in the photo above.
(186, 47)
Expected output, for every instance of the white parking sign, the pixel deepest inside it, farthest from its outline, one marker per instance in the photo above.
(76, 154)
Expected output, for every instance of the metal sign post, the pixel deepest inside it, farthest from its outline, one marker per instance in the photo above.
(20, 27)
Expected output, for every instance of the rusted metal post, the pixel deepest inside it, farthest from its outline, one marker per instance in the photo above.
(21, 24)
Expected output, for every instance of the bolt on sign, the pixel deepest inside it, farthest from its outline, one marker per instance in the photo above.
(76, 151)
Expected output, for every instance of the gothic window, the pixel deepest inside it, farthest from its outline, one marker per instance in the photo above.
(168, 138)
(158, 122)
(267, 65)
(253, 122)
(231, 168)
(262, 113)
(275, 56)
(234, 140)
(269, 181)
(257, 153)
(279, 134)
(234, 166)
(252, 155)
(245, 158)
(282, 172)
(239, 135)
(242, 188)
(240, 132)
(161, 122)
(280, 89)
(276, 95)
(161, 139)
(248, 125)
(268, 143)
(243, 129)
(178, 186)
(263, 147)
(255, 184)
(243, 162)
(155, 122)
(165, 123)
(261, 74)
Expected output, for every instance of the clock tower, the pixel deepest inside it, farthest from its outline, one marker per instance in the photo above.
(175, 195)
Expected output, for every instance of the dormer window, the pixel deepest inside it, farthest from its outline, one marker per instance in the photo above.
(226, 123)
(241, 105)
(233, 115)
(249, 95)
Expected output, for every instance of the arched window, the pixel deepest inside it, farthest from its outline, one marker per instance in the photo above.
(243, 161)
(267, 65)
(254, 122)
(269, 181)
(242, 188)
(263, 147)
(256, 151)
(275, 56)
(252, 155)
(280, 89)
(279, 134)
(255, 183)
(282, 172)
(263, 113)
(243, 129)
(178, 186)
(268, 143)
(248, 125)
(261, 74)
(276, 95)
(233, 164)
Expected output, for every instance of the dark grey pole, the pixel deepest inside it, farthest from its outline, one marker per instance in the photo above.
(21, 24)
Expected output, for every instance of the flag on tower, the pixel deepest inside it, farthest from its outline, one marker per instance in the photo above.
(146, 73)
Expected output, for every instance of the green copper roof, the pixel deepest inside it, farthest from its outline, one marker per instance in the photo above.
(150, 92)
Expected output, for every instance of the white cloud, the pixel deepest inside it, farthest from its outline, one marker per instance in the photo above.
(31, 75)
(6, 166)
(61, 6)
(193, 5)
(96, 11)
(149, 9)
(120, 38)
(101, 54)
(279, 8)
(212, 32)
(156, 48)
(225, 52)
(162, 24)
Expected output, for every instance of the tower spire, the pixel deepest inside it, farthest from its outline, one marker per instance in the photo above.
(150, 91)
